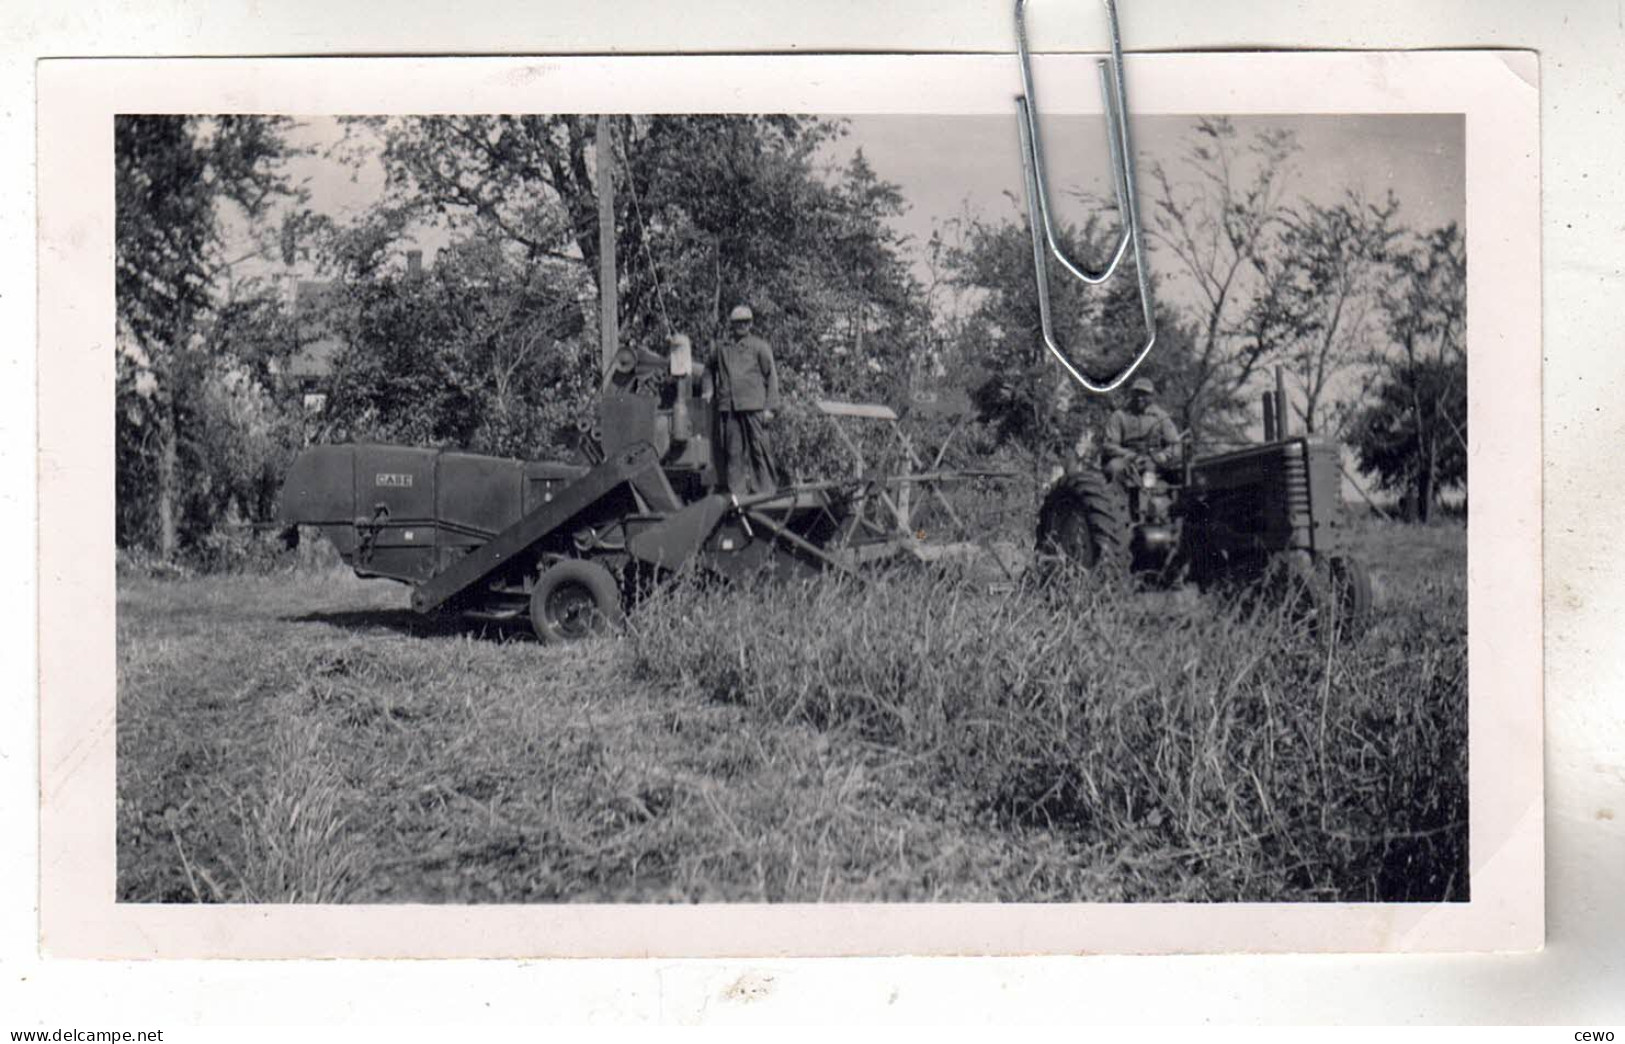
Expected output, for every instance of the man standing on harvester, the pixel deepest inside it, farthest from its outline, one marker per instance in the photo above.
(1142, 430)
(745, 394)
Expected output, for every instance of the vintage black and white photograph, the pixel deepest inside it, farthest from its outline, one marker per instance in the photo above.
(887, 505)
(685, 508)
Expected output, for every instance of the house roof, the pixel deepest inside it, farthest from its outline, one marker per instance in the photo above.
(319, 345)
(315, 359)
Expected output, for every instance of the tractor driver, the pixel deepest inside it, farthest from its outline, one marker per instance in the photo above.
(1144, 429)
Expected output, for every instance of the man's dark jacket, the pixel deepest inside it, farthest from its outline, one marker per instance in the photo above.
(746, 378)
(1147, 432)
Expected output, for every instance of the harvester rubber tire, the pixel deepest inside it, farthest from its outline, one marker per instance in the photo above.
(1084, 519)
(572, 600)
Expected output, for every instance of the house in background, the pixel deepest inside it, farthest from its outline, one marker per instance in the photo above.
(311, 366)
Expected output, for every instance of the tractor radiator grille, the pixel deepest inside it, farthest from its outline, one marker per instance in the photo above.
(1295, 495)
(1273, 497)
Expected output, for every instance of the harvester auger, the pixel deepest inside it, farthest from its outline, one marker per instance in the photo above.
(1267, 519)
(568, 544)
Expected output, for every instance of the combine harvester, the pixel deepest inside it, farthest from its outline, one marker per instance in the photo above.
(569, 545)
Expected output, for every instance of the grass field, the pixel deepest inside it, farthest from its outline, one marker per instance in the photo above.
(304, 737)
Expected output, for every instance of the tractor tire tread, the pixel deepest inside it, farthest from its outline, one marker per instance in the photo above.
(1101, 507)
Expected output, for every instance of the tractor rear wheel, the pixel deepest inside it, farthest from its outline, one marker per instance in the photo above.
(1085, 520)
(574, 599)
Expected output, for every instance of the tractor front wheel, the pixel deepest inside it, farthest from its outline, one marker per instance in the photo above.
(1346, 592)
(1329, 593)
(574, 599)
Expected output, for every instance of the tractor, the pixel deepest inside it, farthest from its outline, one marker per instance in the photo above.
(1264, 518)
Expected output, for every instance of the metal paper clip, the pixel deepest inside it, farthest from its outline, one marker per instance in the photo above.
(1108, 91)
(1045, 241)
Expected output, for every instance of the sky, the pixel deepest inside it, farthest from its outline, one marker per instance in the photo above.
(946, 165)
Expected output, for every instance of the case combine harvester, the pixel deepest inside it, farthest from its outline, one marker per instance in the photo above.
(568, 545)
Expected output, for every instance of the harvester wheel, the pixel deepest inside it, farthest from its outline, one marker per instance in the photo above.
(574, 599)
(1084, 520)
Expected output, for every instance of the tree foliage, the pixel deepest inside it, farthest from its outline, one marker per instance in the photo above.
(1217, 218)
(1321, 282)
(482, 352)
(494, 349)
(711, 211)
(1413, 433)
(1021, 393)
(181, 385)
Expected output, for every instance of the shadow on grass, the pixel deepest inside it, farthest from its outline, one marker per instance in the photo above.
(417, 625)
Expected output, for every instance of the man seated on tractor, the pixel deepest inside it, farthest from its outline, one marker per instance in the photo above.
(1143, 430)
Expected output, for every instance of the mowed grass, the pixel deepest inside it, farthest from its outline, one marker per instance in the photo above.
(304, 737)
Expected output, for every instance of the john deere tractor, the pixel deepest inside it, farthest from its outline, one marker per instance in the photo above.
(1266, 518)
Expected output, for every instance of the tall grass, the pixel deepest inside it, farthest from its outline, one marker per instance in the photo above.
(294, 847)
(1220, 752)
(305, 737)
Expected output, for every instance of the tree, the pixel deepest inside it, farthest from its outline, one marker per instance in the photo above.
(173, 175)
(524, 179)
(518, 337)
(485, 352)
(729, 209)
(1413, 437)
(243, 433)
(1021, 393)
(711, 211)
(1219, 227)
(1318, 288)
(398, 378)
(1413, 433)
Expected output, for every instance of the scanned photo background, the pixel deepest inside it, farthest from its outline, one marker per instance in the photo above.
(289, 733)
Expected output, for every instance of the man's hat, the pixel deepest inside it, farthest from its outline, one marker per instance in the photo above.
(740, 314)
(1143, 384)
